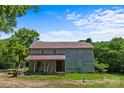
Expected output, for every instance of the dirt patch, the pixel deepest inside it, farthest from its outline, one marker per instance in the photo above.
(7, 82)
(107, 81)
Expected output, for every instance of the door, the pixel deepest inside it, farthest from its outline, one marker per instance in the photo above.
(38, 66)
(60, 66)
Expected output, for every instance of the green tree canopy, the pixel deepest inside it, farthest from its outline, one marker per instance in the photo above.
(14, 49)
(17, 50)
(116, 43)
(111, 53)
(89, 40)
(8, 14)
(26, 36)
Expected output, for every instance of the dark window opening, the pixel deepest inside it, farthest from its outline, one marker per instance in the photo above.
(54, 51)
(60, 66)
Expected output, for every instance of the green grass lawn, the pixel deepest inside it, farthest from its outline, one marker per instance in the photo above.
(76, 76)
(94, 80)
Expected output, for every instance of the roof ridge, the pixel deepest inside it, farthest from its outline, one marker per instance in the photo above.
(40, 44)
(61, 42)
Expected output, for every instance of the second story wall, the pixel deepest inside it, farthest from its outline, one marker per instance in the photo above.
(47, 51)
(60, 51)
(35, 51)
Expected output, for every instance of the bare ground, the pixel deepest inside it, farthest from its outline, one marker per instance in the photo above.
(8, 82)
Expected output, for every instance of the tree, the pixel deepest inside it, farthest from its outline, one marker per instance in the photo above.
(5, 55)
(26, 36)
(111, 53)
(100, 49)
(82, 41)
(8, 14)
(121, 60)
(116, 43)
(101, 67)
(113, 60)
(19, 43)
(18, 51)
(89, 40)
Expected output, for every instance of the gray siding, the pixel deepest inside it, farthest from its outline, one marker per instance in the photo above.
(47, 51)
(60, 51)
(35, 51)
(77, 60)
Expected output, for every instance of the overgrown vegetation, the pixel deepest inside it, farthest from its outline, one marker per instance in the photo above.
(100, 67)
(9, 13)
(15, 49)
(111, 54)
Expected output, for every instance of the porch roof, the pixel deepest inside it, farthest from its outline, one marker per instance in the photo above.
(44, 57)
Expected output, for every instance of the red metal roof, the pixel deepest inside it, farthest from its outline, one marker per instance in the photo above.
(46, 45)
(44, 57)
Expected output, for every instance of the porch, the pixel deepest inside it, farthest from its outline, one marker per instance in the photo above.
(46, 63)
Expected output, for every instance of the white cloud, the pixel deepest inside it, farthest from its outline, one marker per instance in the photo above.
(81, 22)
(62, 35)
(73, 16)
(101, 24)
(107, 34)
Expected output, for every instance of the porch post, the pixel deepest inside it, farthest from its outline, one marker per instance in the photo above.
(34, 67)
(55, 66)
(44, 66)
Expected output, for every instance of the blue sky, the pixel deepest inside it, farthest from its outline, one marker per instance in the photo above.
(73, 23)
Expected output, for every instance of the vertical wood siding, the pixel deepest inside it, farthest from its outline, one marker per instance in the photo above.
(79, 60)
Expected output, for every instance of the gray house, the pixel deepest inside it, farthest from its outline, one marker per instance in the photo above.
(64, 57)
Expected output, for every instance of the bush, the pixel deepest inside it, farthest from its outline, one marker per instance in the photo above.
(100, 67)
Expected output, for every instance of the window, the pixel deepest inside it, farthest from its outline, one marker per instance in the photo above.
(60, 51)
(54, 51)
(35, 52)
(42, 51)
(47, 52)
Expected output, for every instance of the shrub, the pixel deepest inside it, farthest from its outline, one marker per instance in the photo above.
(100, 67)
